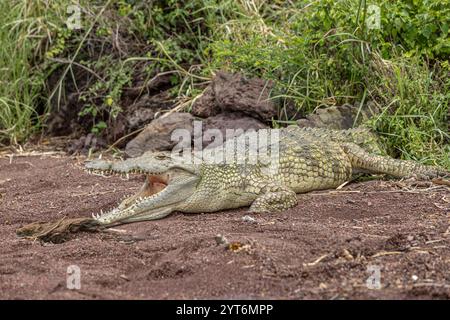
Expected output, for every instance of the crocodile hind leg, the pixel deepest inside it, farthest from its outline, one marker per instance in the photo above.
(363, 161)
(274, 198)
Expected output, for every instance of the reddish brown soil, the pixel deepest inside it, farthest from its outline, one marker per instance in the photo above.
(320, 249)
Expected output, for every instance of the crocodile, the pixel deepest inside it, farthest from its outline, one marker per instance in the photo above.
(307, 159)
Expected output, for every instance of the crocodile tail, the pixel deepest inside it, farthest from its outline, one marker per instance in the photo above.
(372, 163)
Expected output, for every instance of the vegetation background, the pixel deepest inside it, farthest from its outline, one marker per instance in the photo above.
(318, 53)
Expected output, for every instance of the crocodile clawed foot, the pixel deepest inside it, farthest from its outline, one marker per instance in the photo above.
(274, 202)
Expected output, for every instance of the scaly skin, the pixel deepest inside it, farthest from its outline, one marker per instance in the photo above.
(309, 159)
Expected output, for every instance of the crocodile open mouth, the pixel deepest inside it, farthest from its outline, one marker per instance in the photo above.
(154, 184)
(164, 188)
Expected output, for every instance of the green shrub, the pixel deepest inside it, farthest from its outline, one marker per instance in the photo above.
(318, 53)
(323, 54)
(420, 27)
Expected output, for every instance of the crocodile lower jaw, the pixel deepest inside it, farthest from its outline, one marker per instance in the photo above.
(154, 185)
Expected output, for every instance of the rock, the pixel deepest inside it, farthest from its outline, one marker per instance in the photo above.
(144, 109)
(339, 117)
(235, 93)
(206, 105)
(234, 121)
(220, 239)
(249, 219)
(157, 135)
(139, 117)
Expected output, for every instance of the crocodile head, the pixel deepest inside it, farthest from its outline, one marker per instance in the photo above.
(168, 182)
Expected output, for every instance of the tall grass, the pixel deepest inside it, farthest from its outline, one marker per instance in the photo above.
(414, 104)
(318, 53)
(19, 88)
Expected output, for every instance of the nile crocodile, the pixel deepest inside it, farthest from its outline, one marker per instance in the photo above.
(308, 159)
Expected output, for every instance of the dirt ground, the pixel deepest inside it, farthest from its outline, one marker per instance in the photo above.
(321, 249)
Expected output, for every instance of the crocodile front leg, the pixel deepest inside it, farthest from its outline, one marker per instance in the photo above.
(274, 198)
